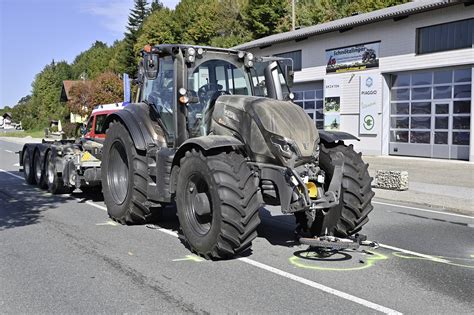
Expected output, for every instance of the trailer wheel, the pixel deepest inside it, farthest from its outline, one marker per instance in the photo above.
(356, 195)
(54, 182)
(39, 170)
(124, 177)
(28, 171)
(218, 201)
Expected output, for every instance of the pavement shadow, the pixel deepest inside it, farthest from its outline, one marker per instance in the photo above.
(20, 204)
(277, 229)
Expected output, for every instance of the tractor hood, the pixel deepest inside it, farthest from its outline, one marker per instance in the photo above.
(272, 129)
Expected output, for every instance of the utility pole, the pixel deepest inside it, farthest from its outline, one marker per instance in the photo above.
(293, 15)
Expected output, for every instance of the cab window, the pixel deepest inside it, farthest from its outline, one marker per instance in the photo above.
(89, 125)
(99, 123)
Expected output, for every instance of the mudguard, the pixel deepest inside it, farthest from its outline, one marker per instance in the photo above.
(333, 136)
(206, 143)
(136, 118)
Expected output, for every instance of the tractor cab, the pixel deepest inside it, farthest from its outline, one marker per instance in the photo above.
(183, 83)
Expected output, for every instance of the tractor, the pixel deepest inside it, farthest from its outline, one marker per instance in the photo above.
(215, 132)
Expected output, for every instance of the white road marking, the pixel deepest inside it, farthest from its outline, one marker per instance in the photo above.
(320, 287)
(425, 210)
(9, 151)
(14, 175)
(16, 164)
(397, 249)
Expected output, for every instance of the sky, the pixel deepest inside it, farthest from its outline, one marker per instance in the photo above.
(34, 32)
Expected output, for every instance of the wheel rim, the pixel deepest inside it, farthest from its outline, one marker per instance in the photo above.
(117, 172)
(50, 170)
(26, 163)
(198, 207)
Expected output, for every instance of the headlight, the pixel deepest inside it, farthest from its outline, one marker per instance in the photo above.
(316, 150)
(284, 146)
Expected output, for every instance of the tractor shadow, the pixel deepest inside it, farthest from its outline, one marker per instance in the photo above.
(278, 229)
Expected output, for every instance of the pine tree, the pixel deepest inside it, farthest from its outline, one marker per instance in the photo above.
(135, 21)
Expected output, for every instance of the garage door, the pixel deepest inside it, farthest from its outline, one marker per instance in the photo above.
(430, 113)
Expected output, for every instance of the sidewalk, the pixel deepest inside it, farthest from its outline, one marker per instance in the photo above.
(435, 183)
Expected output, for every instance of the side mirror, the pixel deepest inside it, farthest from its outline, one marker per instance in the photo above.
(150, 66)
(289, 75)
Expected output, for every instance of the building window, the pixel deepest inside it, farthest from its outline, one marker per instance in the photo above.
(448, 36)
(312, 103)
(296, 56)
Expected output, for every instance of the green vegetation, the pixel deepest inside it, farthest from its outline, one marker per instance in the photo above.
(34, 133)
(223, 23)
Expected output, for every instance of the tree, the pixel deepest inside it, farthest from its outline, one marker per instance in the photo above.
(93, 61)
(46, 92)
(80, 98)
(159, 28)
(267, 17)
(107, 88)
(135, 21)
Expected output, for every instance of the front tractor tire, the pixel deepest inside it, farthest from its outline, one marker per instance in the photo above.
(348, 217)
(218, 200)
(124, 177)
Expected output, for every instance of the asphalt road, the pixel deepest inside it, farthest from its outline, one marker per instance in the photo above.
(61, 254)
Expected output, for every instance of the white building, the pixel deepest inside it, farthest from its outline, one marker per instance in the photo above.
(403, 77)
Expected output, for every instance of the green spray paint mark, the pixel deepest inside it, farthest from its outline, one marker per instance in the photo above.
(302, 262)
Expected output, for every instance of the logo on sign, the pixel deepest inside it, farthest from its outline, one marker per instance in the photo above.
(369, 82)
(368, 122)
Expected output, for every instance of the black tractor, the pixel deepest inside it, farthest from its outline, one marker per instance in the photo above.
(216, 132)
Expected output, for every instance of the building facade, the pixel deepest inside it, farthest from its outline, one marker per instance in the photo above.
(400, 78)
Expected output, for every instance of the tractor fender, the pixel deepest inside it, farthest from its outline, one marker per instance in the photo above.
(206, 143)
(137, 120)
(334, 136)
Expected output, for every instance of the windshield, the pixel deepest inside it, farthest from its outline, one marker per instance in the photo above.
(207, 82)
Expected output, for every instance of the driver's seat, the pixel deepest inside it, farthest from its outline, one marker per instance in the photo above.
(206, 122)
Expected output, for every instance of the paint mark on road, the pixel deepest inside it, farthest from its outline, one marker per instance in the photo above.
(453, 261)
(190, 258)
(111, 223)
(397, 249)
(16, 164)
(306, 260)
(421, 209)
(9, 151)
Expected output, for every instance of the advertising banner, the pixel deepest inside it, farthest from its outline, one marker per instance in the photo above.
(332, 103)
(353, 58)
(369, 103)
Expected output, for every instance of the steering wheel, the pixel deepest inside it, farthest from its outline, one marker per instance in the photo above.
(204, 90)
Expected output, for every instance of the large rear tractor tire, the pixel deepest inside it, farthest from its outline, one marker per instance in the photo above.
(218, 199)
(28, 171)
(54, 182)
(124, 177)
(348, 217)
(39, 170)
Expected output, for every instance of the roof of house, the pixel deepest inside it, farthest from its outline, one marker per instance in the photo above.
(7, 114)
(67, 85)
(394, 12)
